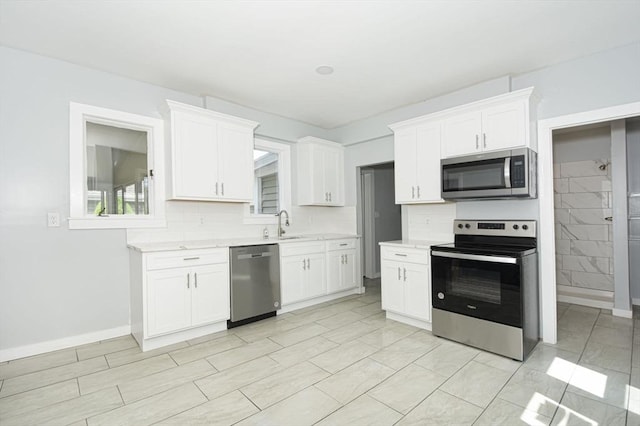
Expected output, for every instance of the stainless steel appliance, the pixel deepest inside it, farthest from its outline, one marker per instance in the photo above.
(503, 174)
(485, 286)
(255, 283)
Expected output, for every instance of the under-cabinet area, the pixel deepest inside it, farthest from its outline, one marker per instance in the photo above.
(180, 293)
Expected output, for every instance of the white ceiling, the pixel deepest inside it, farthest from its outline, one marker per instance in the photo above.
(263, 54)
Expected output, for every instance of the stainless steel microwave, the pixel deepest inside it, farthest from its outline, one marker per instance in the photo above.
(503, 174)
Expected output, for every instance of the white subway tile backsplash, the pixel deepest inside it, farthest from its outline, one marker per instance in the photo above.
(556, 170)
(585, 264)
(559, 261)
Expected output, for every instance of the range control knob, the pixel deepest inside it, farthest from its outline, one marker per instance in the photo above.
(515, 227)
(440, 295)
(467, 226)
(525, 227)
(460, 225)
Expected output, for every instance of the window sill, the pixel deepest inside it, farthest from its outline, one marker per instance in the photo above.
(112, 222)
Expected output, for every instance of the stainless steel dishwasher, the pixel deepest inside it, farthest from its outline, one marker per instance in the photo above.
(255, 283)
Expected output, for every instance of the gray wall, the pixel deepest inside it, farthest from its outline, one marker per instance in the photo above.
(388, 223)
(56, 283)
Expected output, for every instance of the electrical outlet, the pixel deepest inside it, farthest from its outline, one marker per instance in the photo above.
(53, 219)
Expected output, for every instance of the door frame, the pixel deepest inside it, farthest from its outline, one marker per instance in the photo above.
(547, 268)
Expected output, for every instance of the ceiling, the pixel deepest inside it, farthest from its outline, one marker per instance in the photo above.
(263, 54)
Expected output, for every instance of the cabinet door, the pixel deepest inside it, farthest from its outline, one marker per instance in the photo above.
(461, 135)
(210, 294)
(349, 270)
(235, 163)
(428, 163)
(417, 296)
(333, 165)
(316, 283)
(292, 278)
(504, 126)
(335, 260)
(195, 157)
(392, 286)
(168, 300)
(404, 148)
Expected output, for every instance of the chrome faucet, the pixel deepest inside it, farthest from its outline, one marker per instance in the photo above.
(286, 222)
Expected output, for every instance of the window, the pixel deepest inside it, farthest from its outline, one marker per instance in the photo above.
(115, 169)
(271, 189)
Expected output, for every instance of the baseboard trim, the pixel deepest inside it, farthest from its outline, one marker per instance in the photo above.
(622, 313)
(66, 342)
(585, 297)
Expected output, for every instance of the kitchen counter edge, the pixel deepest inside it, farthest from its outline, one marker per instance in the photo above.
(230, 242)
(419, 244)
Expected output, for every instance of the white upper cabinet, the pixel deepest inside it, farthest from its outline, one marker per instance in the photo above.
(417, 161)
(211, 155)
(501, 122)
(320, 171)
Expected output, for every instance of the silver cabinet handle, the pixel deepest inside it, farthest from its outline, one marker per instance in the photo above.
(216, 188)
(418, 190)
(477, 144)
(330, 196)
(401, 254)
(195, 279)
(609, 218)
(399, 274)
(342, 259)
(344, 244)
(413, 192)
(405, 274)
(326, 196)
(304, 265)
(346, 259)
(191, 258)
(187, 280)
(484, 140)
(308, 263)
(222, 186)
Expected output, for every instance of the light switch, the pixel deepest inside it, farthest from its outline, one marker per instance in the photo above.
(53, 219)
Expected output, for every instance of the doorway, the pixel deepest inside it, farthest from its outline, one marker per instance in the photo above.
(547, 270)
(380, 216)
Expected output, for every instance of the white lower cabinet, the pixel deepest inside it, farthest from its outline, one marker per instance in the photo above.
(178, 295)
(302, 271)
(342, 265)
(406, 284)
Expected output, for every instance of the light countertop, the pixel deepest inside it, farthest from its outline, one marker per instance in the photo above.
(419, 244)
(231, 242)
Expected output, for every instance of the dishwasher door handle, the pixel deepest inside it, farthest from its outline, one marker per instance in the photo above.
(254, 255)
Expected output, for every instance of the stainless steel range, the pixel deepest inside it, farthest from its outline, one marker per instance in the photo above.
(485, 286)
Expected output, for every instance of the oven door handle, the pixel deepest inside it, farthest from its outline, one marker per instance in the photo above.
(465, 256)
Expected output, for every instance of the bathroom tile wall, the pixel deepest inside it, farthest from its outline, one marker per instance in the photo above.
(583, 201)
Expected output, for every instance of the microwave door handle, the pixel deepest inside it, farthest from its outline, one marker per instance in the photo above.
(465, 256)
(507, 172)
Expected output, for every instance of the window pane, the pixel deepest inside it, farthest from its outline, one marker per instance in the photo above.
(116, 166)
(266, 191)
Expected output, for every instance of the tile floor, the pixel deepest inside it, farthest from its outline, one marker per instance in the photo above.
(339, 363)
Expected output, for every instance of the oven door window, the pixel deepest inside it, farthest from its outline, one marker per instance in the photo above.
(480, 289)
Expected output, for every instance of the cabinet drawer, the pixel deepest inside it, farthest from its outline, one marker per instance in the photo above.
(411, 255)
(341, 244)
(294, 249)
(175, 259)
